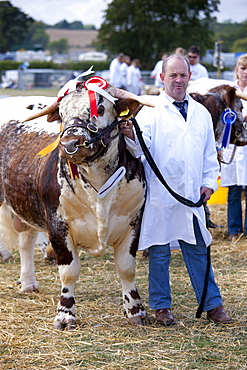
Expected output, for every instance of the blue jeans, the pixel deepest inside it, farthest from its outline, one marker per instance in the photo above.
(234, 211)
(195, 257)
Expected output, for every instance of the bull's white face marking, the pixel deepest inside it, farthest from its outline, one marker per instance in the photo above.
(76, 105)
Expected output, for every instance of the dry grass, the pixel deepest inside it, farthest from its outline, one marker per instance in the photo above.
(103, 340)
(32, 92)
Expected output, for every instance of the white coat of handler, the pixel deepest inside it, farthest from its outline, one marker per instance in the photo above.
(181, 142)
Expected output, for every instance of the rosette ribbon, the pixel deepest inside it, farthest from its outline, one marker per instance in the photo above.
(71, 84)
(228, 118)
(95, 85)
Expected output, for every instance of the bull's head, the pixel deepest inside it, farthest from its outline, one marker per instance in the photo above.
(217, 101)
(90, 119)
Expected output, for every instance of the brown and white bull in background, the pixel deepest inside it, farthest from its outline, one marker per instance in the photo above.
(86, 192)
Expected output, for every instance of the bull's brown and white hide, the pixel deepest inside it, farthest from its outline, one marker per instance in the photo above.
(21, 107)
(41, 195)
(203, 85)
(12, 108)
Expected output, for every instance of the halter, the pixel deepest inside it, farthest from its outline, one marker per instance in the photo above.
(102, 135)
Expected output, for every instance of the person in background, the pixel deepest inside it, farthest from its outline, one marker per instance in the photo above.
(234, 175)
(157, 71)
(124, 67)
(180, 51)
(197, 69)
(115, 71)
(178, 132)
(134, 77)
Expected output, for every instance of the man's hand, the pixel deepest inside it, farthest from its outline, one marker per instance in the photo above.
(127, 127)
(207, 191)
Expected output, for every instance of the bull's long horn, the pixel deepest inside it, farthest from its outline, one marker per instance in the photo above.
(241, 95)
(50, 109)
(122, 94)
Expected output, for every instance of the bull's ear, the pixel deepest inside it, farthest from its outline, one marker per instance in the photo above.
(126, 107)
(229, 96)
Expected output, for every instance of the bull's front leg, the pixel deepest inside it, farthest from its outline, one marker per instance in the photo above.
(125, 265)
(69, 269)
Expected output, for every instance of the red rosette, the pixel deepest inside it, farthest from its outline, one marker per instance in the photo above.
(99, 81)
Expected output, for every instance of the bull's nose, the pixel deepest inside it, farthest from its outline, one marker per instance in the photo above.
(71, 146)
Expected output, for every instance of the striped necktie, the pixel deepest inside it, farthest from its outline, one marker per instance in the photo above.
(181, 107)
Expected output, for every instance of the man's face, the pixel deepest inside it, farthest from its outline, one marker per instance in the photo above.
(176, 78)
(193, 58)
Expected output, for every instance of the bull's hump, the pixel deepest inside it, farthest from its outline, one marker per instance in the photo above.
(39, 125)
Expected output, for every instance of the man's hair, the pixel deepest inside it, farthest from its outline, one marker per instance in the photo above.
(194, 49)
(174, 56)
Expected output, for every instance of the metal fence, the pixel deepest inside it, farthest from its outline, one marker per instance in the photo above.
(51, 78)
(45, 78)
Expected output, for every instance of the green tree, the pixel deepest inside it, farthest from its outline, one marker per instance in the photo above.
(61, 46)
(240, 46)
(13, 26)
(36, 35)
(143, 28)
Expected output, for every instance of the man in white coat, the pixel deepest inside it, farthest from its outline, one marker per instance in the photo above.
(184, 150)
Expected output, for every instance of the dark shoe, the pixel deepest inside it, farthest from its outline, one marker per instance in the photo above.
(218, 315)
(164, 317)
(211, 225)
(232, 237)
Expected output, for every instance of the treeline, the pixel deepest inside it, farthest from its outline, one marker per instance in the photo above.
(76, 25)
(140, 28)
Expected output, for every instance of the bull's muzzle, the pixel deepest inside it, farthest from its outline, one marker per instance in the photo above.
(71, 146)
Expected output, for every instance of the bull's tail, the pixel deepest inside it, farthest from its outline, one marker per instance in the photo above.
(8, 235)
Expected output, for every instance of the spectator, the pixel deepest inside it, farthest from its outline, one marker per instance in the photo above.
(157, 71)
(197, 69)
(181, 141)
(234, 175)
(115, 71)
(180, 51)
(134, 77)
(124, 67)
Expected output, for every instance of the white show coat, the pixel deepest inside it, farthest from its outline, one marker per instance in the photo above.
(134, 80)
(198, 71)
(186, 156)
(235, 173)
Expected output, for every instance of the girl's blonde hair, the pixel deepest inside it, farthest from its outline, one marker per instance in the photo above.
(242, 62)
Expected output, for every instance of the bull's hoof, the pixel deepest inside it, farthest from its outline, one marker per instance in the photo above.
(139, 321)
(63, 321)
(6, 256)
(31, 288)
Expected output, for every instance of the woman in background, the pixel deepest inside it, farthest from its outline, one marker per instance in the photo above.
(234, 175)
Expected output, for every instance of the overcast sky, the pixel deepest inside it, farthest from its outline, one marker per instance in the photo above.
(91, 11)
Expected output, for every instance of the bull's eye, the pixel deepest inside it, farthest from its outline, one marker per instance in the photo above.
(101, 110)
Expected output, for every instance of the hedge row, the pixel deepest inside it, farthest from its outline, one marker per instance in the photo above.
(78, 66)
